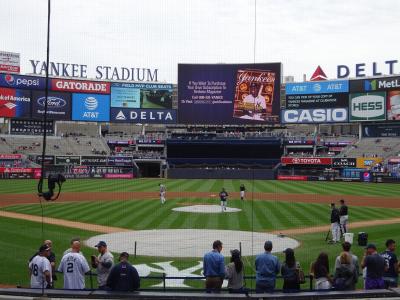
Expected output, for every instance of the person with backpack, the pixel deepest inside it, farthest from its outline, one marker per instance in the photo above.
(290, 272)
(345, 277)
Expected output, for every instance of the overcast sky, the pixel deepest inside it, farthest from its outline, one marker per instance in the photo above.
(162, 33)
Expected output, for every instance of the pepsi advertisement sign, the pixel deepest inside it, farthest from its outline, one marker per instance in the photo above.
(148, 116)
(15, 103)
(320, 87)
(58, 105)
(90, 107)
(22, 82)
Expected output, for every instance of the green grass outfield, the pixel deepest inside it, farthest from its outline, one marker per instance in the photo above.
(20, 238)
(209, 185)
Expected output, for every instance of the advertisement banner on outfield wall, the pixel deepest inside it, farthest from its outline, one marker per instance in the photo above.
(317, 101)
(314, 116)
(10, 156)
(9, 62)
(90, 107)
(344, 162)
(22, 82)
(229, 93)
(368, 162)
(375, 84)
(367, 107)
(148, 116)
(93, 160)
(120, 161)
(58, 105)
(393, 105)
(317, 87)
(68, 160)
(15, 103)
(141, 95)
(306, 160)
(80, 86)
(381, 130)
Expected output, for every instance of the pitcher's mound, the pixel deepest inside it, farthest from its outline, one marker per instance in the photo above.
(206, 209)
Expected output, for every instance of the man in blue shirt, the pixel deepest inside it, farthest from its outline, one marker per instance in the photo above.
(267, 267)
(123, 276)
(391, 275)
(214, 268)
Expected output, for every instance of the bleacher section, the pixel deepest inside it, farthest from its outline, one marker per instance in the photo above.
(369, 147)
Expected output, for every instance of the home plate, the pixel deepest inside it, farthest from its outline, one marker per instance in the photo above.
(205, 209)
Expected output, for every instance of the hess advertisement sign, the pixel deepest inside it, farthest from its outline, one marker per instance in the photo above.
(367, 106)
(90, 107)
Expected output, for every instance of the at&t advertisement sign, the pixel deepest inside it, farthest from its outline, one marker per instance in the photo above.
(90, 107)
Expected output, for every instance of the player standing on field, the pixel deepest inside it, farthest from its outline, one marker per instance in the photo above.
(344, 216)
(163, 189)
(223, 195)
(242, 191)
(74, 266)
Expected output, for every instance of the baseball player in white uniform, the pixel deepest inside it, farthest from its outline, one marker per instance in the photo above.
(40, 269)
(74, 266)
(163, 189)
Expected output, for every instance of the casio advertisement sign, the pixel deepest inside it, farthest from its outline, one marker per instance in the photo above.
(320, 115)
(367, 106)
(149, 116)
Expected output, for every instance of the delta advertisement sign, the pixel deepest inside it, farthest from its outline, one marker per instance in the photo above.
(367, 107)
(149, 116)
(306, 160)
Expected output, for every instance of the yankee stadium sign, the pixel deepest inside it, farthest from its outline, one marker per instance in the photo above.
(62, 69)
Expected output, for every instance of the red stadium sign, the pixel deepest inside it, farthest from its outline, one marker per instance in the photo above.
(10, 156)
(292, 177)
(306, 160)
(18, 170)
(80, 86)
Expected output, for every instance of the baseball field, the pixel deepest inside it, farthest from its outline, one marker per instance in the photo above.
(171, 238)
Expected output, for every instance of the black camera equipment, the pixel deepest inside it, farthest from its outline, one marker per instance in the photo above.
(52, 181)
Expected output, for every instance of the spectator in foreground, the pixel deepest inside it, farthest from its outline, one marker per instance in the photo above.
(234, 272)
(391, 277)
(40, 269)
(123, 276)
(345, 275)
(267, 267)
(376, 266)
(320, 270)
(214, 268)
(289, 272)
(346, 246)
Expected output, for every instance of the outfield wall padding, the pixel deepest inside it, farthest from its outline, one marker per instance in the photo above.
(194, 173)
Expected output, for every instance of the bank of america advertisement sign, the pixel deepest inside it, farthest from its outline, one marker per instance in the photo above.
(367, 107)
(90, 107)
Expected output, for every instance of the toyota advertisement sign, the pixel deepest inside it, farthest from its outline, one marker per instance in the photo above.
(90, 107)
(15, 103)
(58, 105)
(367, 107)
(306, 160)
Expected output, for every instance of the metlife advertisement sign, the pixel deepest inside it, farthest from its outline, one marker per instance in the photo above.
(148, 116)
(314, 116)
(22, 82)
(90, 107)
(321, 94)
(367, 107)
(375, 84)
(58, 105)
